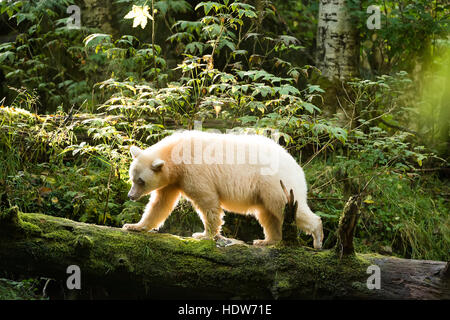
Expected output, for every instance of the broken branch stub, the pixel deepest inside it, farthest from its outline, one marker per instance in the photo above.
(347, 226)
(290, 210)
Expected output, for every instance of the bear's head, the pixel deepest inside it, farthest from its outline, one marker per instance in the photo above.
(147, 173)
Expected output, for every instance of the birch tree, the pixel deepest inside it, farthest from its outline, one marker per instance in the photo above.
(337, 46)
(98, 14)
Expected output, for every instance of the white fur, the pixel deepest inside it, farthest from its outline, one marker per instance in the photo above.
(238, 173)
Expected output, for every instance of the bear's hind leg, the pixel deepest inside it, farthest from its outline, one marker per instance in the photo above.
(272, 228)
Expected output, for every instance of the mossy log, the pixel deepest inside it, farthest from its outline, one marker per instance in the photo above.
(155, 265)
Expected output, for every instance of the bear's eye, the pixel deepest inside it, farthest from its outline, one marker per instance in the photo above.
(140, 182)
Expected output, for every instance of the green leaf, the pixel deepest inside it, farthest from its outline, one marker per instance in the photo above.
(96, 38)
(191, 47)
(287, 89)
(207, 6)
(7, 55)
(248, 119)
(25, 16)
(315, 88)
(309, 107)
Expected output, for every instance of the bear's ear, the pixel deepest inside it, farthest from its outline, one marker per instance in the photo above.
(135, 151)
(157, 164)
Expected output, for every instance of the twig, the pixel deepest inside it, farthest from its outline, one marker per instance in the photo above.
(107, 194)
(153, 43)
(398, 127)
(432, 169)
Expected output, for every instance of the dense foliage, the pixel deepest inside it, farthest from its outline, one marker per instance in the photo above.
(76, 99)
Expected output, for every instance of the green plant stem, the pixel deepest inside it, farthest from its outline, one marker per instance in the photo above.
(107, 194)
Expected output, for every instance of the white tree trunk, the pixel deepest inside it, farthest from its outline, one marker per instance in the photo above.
(337, 45)
(98, 14)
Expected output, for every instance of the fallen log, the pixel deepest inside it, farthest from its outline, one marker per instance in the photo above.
(153, 265)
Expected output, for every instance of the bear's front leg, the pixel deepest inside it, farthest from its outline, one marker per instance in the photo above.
(161, 204)
(134, 227)
(212, 221)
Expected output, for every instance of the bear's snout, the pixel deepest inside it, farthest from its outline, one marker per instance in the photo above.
(132, 196)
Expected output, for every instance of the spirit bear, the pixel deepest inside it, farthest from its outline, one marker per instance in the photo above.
(216, 172)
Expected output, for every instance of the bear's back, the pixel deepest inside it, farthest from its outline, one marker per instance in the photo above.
(236, 161)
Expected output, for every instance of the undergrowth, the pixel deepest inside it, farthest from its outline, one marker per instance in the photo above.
(404, 213)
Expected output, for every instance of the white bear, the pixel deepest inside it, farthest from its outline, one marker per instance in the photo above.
(216, 172)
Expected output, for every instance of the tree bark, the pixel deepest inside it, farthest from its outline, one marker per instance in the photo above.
(289, 231)
(98, 14)
(347, 226)
(337, 41)
(153, 265)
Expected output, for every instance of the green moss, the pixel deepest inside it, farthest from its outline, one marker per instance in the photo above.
(9, 217)
(58, 235)
(29, 228)
(13, 225)
(281, 285)
(82, 244)
(168, 260)
(13, 290)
